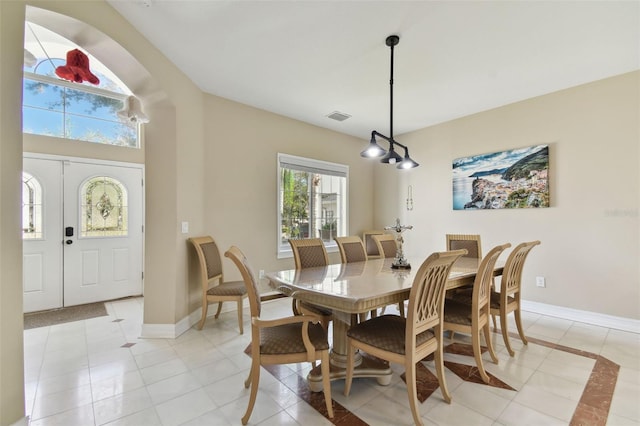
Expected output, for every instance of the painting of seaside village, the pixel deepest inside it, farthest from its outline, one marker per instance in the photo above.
(512, 179)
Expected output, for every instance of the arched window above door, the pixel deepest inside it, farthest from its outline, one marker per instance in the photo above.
(70, 110)
(104, 210)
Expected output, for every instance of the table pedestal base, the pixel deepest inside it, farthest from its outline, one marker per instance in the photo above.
(366, 366)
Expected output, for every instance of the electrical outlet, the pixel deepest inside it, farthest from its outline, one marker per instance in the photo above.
(541, 282)
(261, 275)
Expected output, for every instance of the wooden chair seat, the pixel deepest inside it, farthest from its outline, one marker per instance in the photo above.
(285, 339)
(495, 300)
(233, 288)
(457, 313)
(387, 332)
(465, 298)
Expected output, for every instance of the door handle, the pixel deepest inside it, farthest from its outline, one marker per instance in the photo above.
(67, 242)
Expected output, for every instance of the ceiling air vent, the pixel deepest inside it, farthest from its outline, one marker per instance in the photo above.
(338, 116)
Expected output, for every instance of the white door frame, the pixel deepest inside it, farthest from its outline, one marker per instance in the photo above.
(93, 161)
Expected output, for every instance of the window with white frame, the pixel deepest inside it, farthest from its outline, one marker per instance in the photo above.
(312, 201)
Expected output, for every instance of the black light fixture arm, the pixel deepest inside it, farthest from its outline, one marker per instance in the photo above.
(376, 151)
(388, 139)
(391, 41)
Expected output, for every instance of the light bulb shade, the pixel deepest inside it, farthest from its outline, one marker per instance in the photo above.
(373, 150)
(407, 163)
(392, 156)
(132, 111)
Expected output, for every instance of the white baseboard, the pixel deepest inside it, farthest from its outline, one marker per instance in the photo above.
(171, 331)
(593, 318)
(22, 422)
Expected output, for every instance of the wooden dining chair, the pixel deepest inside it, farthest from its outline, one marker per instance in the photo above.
(470, 242)
(370, 245)
(473, 317)
(280, 341)
(387, 246)
(309, 253)
(508, 299)
(408, 340)
(214, 287)
(351, 249)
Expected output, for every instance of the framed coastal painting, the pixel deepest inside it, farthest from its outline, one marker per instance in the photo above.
(513, 179)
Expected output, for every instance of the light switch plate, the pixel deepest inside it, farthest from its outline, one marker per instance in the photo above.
(185, 227)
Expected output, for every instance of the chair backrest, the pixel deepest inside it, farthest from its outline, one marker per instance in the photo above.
(387, 246)
(370, 245)
(351, 249)
(249, 278)
(484, 278)
(512, 274)
(309, 253)
(209, 259)
(470, 242)
(426, 299)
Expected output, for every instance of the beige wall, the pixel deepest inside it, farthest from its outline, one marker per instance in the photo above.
(241, 177)
(11, 352)
(590, 235)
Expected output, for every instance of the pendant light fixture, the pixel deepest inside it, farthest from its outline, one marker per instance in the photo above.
(376, 151)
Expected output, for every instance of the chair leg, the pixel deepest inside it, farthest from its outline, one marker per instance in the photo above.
(254, 379)
(205, 307)
(505, 333)
(326, 382)
(240, 316)
(349, 374)
(477, 354)
(219, 310)
(519, 325)
(439, 364)
(401, 309)
(294, 307)
(325, 323)
(410, 376)
(493, 317)
(487, 338)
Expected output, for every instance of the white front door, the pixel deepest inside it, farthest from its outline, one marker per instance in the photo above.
(99, 233)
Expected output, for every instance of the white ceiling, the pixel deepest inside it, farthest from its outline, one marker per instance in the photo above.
(306, 59)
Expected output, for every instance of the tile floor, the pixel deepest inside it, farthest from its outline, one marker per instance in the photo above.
(98, 372)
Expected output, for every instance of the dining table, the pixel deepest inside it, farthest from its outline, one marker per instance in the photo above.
(351, 289)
